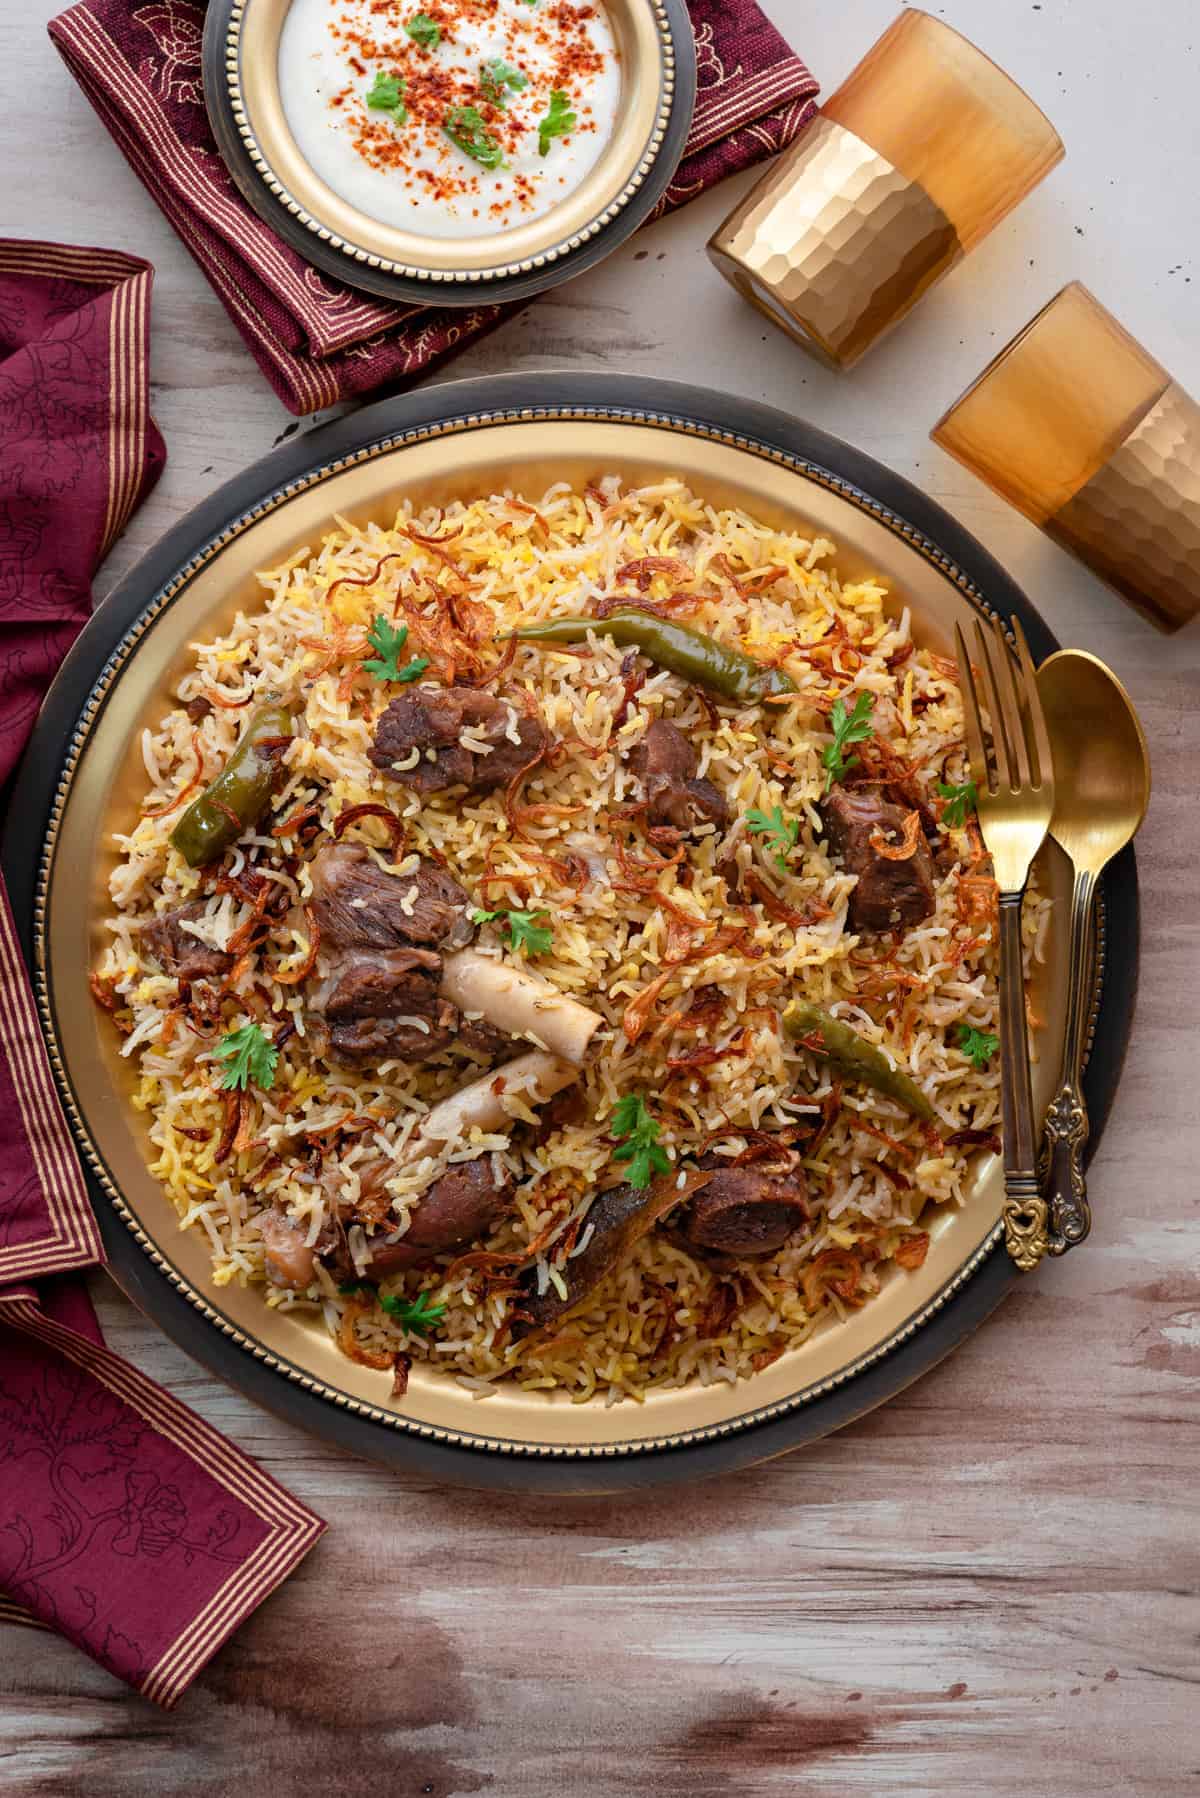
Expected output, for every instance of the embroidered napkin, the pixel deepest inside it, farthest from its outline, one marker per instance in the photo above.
(316, 340)
(126, 1522)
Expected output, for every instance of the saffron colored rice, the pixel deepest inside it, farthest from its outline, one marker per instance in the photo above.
(666, 1316)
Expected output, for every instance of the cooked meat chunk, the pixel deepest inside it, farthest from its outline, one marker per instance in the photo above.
(665, 763)
(613, 1219)
(459, 1208)
(384, 1004)
(360, 905)
(890, 895)
(431, 720)
(746, 1210)
(178, 952)
(290, 1260)
(381, 934)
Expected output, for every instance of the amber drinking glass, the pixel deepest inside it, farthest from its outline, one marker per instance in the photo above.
(1080, 428)
(924, 147)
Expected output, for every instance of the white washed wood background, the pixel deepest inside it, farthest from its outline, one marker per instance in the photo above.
(991, 1584)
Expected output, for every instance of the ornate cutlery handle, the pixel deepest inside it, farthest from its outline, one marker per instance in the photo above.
(1067, 1118)
(1024, 1206)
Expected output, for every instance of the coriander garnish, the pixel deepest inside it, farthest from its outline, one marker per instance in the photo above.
(465, 127)
(524, 931)
(641, 1147)
(251, 1059)
(386, 94)
(848, 727)
(557, 123)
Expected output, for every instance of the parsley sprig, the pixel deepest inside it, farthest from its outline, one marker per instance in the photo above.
(498, 78)
(780, 832)
(977, 1045)
(416, 1315)
(464, 126)
(641, 1148)
(557, 123)
(250, 1058)
(424, 31)
(386, 94)
(848, 727)
(387, 642)
(524, 931)
(960, 799)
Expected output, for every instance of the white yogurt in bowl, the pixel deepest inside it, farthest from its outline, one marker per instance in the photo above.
(453, 118)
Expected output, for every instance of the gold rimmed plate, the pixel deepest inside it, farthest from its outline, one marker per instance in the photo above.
(657, 64)
(82, 777)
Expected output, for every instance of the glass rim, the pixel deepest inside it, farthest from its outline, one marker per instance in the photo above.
(992, 368)
(1009, 81)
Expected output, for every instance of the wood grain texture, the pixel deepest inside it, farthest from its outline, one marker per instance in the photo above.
(992, 1584)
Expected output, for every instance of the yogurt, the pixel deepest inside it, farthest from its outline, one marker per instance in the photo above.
(452, 118)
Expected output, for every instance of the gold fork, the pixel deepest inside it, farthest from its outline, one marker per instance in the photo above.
(1014, 788)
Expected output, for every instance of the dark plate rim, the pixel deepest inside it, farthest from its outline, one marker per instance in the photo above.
(467, 403)
(407, 291)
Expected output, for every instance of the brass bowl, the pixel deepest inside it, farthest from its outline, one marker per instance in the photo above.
(83, 773)
(241, 85)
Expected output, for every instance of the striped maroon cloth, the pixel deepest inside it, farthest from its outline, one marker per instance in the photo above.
(316, 340)
(126, 1522)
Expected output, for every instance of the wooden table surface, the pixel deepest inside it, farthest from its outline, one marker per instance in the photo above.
(991, 1583)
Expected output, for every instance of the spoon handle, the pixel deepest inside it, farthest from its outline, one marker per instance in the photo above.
(1067, 1119)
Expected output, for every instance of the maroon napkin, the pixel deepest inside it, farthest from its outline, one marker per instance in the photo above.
(126, 1522)
(316, 340)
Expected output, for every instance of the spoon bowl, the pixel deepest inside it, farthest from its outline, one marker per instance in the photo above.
(1101, 762)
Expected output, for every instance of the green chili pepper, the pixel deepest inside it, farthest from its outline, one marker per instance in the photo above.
(241, 792)
(692, 654)
(860, 1060)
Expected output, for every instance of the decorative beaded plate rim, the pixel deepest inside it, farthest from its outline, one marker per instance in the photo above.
(377, 431)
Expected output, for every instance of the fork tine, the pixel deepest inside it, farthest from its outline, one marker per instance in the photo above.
(1008, 723)
(972, 721)
(1001, 755)
(1014, 716)
(1033, 705)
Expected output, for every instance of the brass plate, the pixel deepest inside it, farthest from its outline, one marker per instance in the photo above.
(433, 461)
(642, 30)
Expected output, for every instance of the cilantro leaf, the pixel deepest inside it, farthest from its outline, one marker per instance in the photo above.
(424, 31)
(497, 76)
(464, 126)
(977, 1045)
(781, 833)
(415, 1315)
(385, 94)
(848, 727)
(960, 800)
(387, 641)
(557, 123)
(641, 1148)
(251, 1057)
(524, 931)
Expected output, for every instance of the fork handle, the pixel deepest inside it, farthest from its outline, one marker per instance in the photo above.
(1024, 1207)
(1067, 1124)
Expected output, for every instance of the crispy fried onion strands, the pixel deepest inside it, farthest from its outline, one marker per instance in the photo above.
(906, 847)
(193, 785)
(834, 1270)
(648, 568)
(300, 974)
(349, 1344)
(637, 1012)
(912, 1251)
(393, 824)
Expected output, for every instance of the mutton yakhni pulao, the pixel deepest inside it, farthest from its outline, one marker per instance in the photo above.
(557, 943)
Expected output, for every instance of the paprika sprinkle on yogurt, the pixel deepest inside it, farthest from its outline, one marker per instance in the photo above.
(454, 118)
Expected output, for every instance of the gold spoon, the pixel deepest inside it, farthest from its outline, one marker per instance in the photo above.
(1101, 790)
